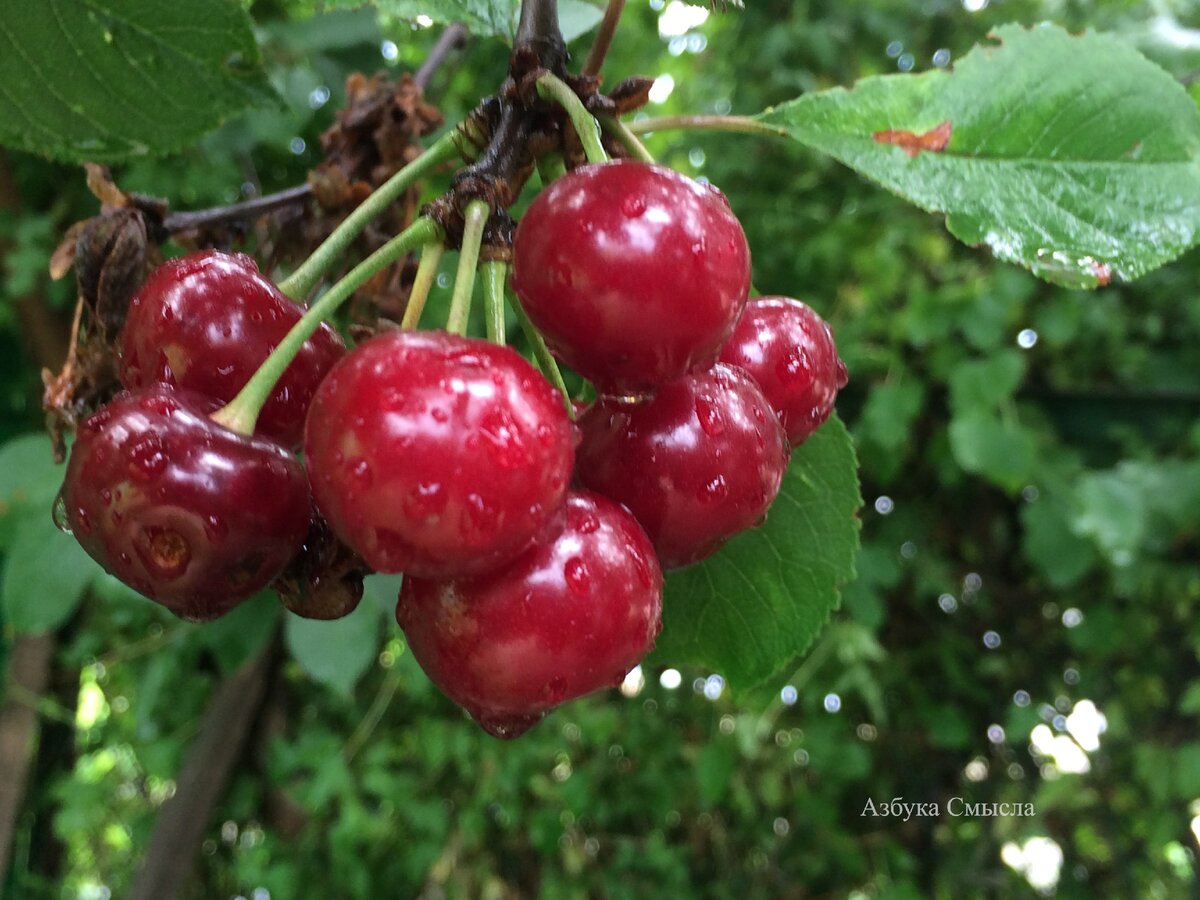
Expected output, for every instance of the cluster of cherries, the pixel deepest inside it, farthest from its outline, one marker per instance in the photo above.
(532, 546)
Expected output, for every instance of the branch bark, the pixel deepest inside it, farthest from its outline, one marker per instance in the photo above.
(179, 830)
(29, 670)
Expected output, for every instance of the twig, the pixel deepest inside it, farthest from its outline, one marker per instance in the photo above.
(451, 38)
(236, 212)
(604, 37)
(739, 124)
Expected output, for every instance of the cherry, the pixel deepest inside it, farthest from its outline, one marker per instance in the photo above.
(437, 456)
(181, 509)
(206, 322)
(699, 462)
(634, 274)
(788, 350)
(568, 617)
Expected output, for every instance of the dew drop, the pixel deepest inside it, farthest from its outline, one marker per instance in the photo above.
(506, 727)
(588, 524)
(59, 514)
(147, 457)
(709, 416)
(714, 490)
(360, 473)
(577, 575)
(633, 206)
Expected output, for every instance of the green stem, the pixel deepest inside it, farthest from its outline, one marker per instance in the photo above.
(739, 124)
(431, 255)
(301, 282)
(541, 354)
(475, 218)
(551, 87)
(241, 413)
(628, 139)
(551, 166)
(495, 274)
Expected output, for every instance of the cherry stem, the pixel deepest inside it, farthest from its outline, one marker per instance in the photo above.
(628, 139)
(541, 353)
(604, 37)
(739, 124)
(431, 255)
(551, 87)
(551, 166)
(474, 219)
(301, 282)
(495, 274)
(241, 413)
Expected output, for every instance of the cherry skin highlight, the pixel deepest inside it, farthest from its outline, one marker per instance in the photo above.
(183, 510)
(206, 321)
(634, 273)
(789, 352)
(570, 616)
(697, 463)
(438, 456)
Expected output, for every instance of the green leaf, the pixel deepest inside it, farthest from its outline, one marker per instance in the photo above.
(995, 448)
(45, 575)
(758, 603)
(489, 18)
(1074, 156)
(335, 653)
(107, 80)
(986, 383)
(484, 18)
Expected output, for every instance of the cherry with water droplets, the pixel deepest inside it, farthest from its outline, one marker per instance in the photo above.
(700, 461)
(436, 455)
(570, 616)
(180, 508)
(648, 290)
(789, 351)
(206, 322)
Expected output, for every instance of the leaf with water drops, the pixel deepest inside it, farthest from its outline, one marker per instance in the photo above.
(1072, 155)
(488, 18)
(757, 604)
(108, 80)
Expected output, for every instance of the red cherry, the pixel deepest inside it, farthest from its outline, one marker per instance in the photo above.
(206, 322)
(181, 509)
(635, 274)
(437, 456)
(568, 617)
(788, 350)
(697, 463)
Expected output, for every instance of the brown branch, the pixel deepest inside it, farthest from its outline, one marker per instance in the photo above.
(236, 212)
(604, 37)
(451, 38)
(28, 671)
(179, 830)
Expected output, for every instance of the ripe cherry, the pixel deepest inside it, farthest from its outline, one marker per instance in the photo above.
(570, 616)
(181, 509)
(635, 274)
(206, 322)
(697, 463)
(788, 350)
(437, 456)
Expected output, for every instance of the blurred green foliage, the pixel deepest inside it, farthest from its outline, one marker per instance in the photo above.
(1031, 462)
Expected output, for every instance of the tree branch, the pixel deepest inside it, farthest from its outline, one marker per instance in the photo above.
(236, 212)
(604, 37)
(179, 829)
(451, 38)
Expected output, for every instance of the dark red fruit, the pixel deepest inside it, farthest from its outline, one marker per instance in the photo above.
(568, 617)
(635, 274)
(206, 322)
(697, 463)
(181, 509)
(788, 350)
(438, 456)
